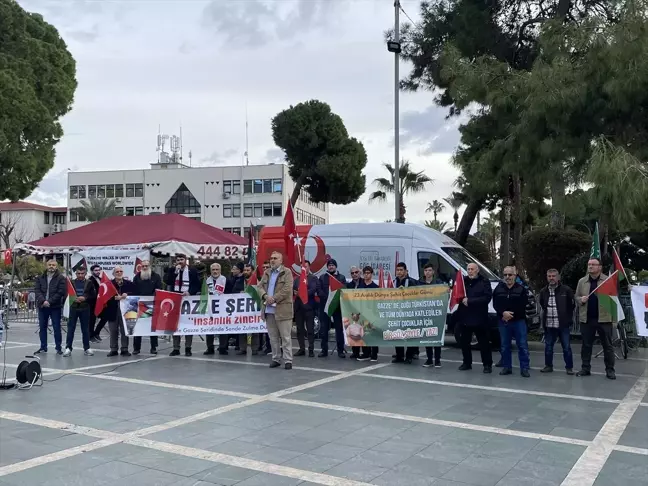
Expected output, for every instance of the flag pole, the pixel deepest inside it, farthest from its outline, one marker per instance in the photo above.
(609, 277)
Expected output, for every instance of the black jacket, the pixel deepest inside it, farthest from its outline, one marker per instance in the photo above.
(354, 284)
(235, 285)
(406, 282)
(565, 305)
(57, 290)
(312, 284)
(89, 294)
(147, 287)
(194, 281)
(323, 291)
(363, 285)
(479, 294)
(514, 299)
(112, 308)
(435, 281)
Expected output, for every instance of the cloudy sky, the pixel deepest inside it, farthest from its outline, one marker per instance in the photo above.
(144, 63)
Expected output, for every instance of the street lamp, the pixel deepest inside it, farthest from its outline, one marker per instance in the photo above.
(394, 46)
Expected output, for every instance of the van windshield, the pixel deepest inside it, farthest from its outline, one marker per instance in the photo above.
(463, 258)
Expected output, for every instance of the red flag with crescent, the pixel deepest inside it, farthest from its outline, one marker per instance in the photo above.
(106, 292)
(166, 312)
(7, 257)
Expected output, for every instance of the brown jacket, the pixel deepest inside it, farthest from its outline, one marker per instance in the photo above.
(283, 293)
(583, 289)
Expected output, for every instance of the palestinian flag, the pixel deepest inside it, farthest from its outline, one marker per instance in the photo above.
(71, 297)
(204, 297)
(608, 296)
(619, 266)
(333, 300)
(252, 289)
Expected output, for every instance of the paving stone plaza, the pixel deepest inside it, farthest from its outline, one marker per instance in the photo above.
(230, 420)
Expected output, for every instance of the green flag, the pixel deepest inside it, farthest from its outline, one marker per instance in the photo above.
(204, 297)
(596, 244)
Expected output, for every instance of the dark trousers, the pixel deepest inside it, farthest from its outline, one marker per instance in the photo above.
(406, 353)
(367, 351)
(433, 353)
(118, 337)
(518, 330)
(92, 319)
(223, 341)
(552, 334)
(481, 332)
(137, 342)
(177, 339)
(83, 316)
(44, 315)
(588, 332)
(305, 321)
(325, 324)
(100, 326)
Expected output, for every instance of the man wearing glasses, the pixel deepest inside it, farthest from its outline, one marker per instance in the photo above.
(113, 313)
(510, 300)
(146, 283)
(594, 318)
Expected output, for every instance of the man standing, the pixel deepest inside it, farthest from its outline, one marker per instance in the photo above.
(248, 270)
(236, 285)
(264, 339)
(305, 313)
(472, 314)
(557, 303)
(114, 315)
(51, 292)
(146, 283)
(404, 280)
(277, 311)
(510, 300)
(336, 318)
(433, 352)
(185, 281)
(368, 352)
(594, 318)
(95, 280)
(354, 284)
(80, 310)
(216, 284)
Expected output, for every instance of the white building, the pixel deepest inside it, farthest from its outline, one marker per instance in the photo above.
(24, 221)
(227, 197)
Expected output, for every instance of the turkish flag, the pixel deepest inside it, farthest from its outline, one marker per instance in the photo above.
(390, 281)
(381, 278)
(7, 256)
(291, 238)
(302, 291)
(106, 292)
(458, 293)
(166, 312)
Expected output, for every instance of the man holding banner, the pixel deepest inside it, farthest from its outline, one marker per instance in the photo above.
(146, 283)
(182, 280)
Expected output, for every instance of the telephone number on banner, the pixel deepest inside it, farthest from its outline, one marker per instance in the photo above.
(217, 251)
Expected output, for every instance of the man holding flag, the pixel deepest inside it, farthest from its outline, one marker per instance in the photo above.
(80, 293)
(597, 312)
(331, 284)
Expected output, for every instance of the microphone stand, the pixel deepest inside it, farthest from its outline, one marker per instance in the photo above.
(4, 324)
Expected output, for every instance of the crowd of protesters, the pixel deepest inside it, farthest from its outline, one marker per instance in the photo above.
(282, 306)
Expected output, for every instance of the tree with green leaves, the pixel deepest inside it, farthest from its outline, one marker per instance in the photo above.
(322, 159)
(439, 226)
(97, 209)
(455, 202)
(435, 207)
(38, 80)
(411, 182)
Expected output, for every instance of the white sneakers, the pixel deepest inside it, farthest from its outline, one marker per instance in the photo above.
(87, 352)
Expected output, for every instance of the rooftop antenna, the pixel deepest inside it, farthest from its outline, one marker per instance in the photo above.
(247, 145)
(190, 155)
(181, 142)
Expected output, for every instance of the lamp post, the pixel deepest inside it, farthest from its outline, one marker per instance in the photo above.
(395, 47)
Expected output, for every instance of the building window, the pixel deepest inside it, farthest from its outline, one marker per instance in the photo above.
(247, 187)
(227, 187)
(277, 185)
(258, 210)
(267, 210)
(110, 191)
(46, 217)
(130, 211)
(267, 186)
(75, 216)
(246, 232)
(139, 211)
(119, 190)
(232, 187)
(139, 190)
(182, 202)
(101, 192)
(247, 210)
(74, 193)
(276, 209)
(258, 186)
(59, 218)
(236, 231)
(231, 210)
(92, 192)
(82, 192)
(130, 190)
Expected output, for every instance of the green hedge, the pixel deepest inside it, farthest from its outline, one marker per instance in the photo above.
(546, 248)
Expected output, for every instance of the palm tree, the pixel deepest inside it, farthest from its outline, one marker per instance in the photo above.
(436, 225)
(410, 183)
(489, 233)
(98, 209)
(435, 207)
(455, 202)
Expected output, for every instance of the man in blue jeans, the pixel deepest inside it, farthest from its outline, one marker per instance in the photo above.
(51, 292)
(557, 303)
(510, 300)
(80, 311)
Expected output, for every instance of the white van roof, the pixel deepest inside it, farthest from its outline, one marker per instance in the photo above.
(414, 231)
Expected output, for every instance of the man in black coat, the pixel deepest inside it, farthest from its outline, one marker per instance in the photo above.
(557, 304)
(510, 300)
(336, 318)
(305, 313)
(51, 292)
(404, 280)
(183, 280)
(433, 352)
(236, 285)
(472, 315)
(146, 283)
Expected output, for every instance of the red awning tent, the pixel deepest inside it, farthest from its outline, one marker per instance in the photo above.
(162, 234)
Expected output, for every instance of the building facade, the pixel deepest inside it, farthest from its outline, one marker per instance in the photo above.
(22, 222)
(227, 197)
